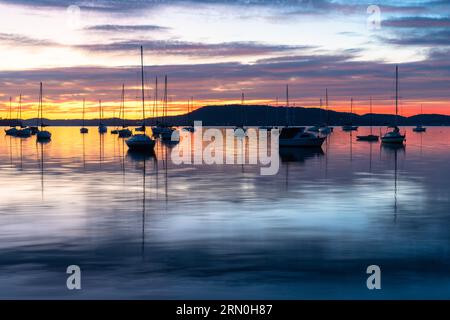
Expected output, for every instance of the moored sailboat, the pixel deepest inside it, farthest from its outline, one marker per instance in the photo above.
(371, 136)
(83, 129)
(394, 136)
(141, 142)
(42, 135)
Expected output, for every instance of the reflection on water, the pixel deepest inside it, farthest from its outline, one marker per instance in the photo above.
(140, 226)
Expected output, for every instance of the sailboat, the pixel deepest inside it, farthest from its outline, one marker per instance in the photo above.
(116, 130)
(162, 128)
(350, 126)
(23, 132)
(326, 129)
(371, 136)
(420, 128)
(394, 136)
(297, 136)
(101, 127)
(240, 130)
(124, 132)
(190, 128)
(141, 142)
(167, 132)
(317, 127)
(42, 134)
(84, 129)
(12, 131)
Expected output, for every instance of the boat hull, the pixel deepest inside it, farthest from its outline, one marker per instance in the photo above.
(43, 135)
(393, 140)
(140, 142)
(84, 130)
(368, 138)
(420, 129)
(125, 133)
(300, 142)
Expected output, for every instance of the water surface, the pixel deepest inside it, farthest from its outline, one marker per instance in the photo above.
(143, 227)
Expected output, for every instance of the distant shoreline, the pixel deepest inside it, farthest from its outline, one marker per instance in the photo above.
(258, 115)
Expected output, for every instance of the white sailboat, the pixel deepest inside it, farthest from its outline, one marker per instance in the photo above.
(141, 142)
(190, 128)
(42, 135)
(394, 136)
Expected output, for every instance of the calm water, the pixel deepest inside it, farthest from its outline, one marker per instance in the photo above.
(143, 227)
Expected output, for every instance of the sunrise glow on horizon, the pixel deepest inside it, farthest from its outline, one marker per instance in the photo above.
(214, 52)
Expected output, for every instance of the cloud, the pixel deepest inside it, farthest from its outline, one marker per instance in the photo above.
(21, 40)
(126, 28)
(183, 48)
(417, 22)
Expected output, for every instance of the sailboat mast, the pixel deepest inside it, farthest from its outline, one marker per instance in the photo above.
(156, 97)
(84, 102)
(165, 98)
(20, 107)
(123, 105)
(40, 103)
(326, 106)
(396, 94)
(142, 87)
(371, 115)
(10, 111)
(287, 105)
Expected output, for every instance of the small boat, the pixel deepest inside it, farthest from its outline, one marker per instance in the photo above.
(23, 131)
(42, 135)
(190, 107)
(298, 137)
(102, 128)
(141, 142)
(326, 129)
(124, 132)
(394, 136)
(12, 131)
(350, 126)
(371, 136)
(84, 129)
(420, 128)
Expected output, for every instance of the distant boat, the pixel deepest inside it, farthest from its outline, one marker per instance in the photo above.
(420, 128)
(101, 127)
(23, 132)
(350, 126)
(394, 136)
(141, 142)
(42, 135)
(83, 129)
(162, 129)
(371, 136)
(190, 128)
(124, 132)
(298, 137)
(326, 129)
(166, 133)
(12, 131)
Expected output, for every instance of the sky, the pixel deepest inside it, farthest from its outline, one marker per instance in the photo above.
(215, 50)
